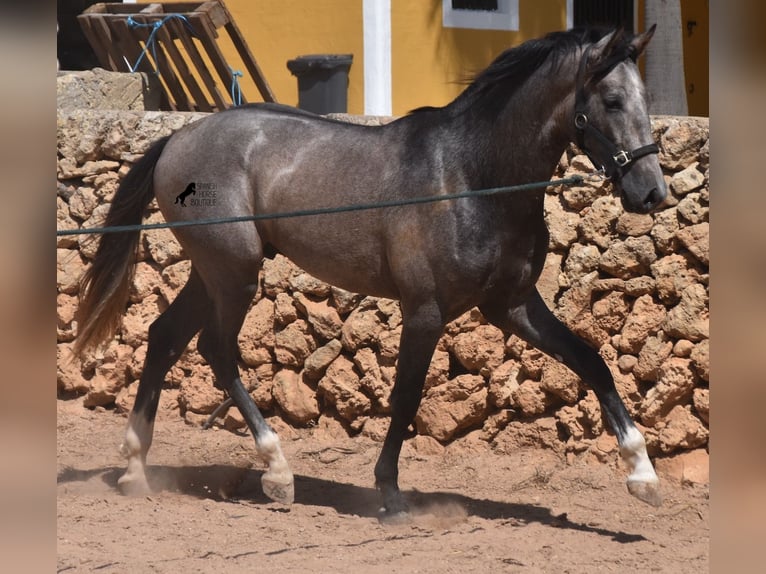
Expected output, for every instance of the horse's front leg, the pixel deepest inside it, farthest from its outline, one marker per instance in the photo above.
(533, 321)
(420, 333)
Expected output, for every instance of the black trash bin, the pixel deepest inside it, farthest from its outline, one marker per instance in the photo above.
(322, 82)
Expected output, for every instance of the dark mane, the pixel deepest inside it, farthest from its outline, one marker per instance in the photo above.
(515, 65)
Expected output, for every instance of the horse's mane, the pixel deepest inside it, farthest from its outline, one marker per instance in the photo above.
(515, 65)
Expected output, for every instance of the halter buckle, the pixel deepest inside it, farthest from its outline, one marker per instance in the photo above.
(622, 158)
(580, 121)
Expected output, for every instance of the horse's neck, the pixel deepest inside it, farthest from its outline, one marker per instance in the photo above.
(525, 141)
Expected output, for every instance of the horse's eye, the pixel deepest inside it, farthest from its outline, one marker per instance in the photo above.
(613, 103)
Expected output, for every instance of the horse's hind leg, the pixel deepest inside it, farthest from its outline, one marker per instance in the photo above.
(534, 322)
(421, 330)
(168, 337)
(218, 345)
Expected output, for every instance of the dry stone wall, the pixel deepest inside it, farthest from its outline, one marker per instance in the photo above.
(634, 286)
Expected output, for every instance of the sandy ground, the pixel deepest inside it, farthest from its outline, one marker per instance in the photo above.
(474, 510)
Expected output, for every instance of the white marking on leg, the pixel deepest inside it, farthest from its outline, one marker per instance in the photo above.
(277, 481)
(642, 482)
(138, 439)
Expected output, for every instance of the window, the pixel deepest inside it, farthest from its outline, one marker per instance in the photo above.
(481, 14)
(605, 13)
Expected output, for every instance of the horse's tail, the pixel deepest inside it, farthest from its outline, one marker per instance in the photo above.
(105, 286)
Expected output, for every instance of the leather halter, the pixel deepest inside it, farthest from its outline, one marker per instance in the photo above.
(619, 160)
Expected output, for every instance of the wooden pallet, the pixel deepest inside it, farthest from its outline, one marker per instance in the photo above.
(180, 57)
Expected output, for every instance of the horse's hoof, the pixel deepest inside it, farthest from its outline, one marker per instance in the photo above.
(133, 485)
(279, 487)
(648, 492)
(397, 518)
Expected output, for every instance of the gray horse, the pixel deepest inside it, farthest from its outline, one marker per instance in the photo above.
(509, 126)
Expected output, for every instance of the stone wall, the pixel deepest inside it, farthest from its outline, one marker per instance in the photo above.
(634, 286)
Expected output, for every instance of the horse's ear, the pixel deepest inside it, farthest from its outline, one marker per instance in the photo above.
(604, 48)
(638, 44)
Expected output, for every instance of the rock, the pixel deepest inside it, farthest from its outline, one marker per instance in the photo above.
(438, 370)
(548, 282)
(345, 301)
(82, 203)
(504, 380)
(256, 338)
(532, 361)
(674, 387)
(683, 348)
(318, 361)
(560, 381)
(135, 323)
(638, 286)
(284, 310)
(294, 344)
(686, 180)
(673, 274)
(682, 431)
(529, 398)
(691, 467)
(146, 280)
(629, 258)
(70, 375)
(324, 319)
(701, 402)
(542, 432)
(664, 231)
(373, 382)
(69, 270)
(375, 428)
(681, 142)
(388, 344)
(341, 387)
(480, 351)
(626, 363)
(690, 318)
(634, 224)
(276, 275)
(109, 377)
(101, 89)
(302, 282)
(296, 399)
(700, 357)
(161, 243)
(696, 238)
(598, 221)
(582, 259)
(454, 406)
(692, 210)
(644, 319)
(654, 351)
(198, 394)
(174, 277)
(562, 224)
(360, 329)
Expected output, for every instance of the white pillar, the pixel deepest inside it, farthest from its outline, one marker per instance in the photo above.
(376, 15)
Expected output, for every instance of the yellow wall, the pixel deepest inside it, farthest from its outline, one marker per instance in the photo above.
(279, 30)
(428, 60)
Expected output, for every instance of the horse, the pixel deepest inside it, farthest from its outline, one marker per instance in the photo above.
(191, 189)
(509, 125)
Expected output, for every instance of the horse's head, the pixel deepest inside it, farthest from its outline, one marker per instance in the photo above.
(611, 119)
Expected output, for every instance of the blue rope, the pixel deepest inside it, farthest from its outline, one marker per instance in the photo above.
(150, 41)
(236, 91)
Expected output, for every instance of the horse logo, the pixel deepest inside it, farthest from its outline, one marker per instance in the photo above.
(191, 189)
